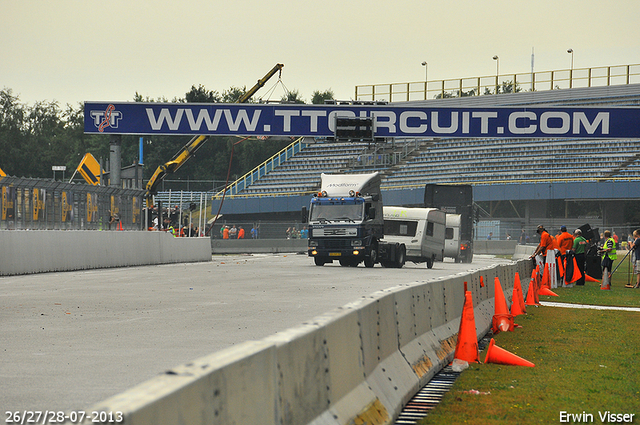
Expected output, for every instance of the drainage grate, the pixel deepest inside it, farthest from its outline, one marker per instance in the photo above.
(428, 397)
(431, 394)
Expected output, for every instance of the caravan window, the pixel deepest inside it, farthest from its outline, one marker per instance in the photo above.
(429, 228)
(400, 228)
(448, 233)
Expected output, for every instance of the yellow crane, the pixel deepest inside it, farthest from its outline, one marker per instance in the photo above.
(195, 143)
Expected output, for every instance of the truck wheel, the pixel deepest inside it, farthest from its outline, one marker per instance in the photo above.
(344, 262)
(372, 259)
(430, 262)
(401, 253)
(319, 261)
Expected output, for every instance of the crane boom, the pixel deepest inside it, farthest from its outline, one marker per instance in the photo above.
(194, 144)
(261, 82)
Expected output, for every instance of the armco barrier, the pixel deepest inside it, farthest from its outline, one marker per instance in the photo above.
(357, 364)
(38, 251)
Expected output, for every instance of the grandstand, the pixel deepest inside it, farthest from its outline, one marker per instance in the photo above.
(531, 170)
(414, 163)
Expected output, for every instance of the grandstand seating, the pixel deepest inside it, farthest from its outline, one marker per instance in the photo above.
(471, 161)
(302, 172)
(474, 161)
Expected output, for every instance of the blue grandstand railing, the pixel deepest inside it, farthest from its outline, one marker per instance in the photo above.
(264, 168)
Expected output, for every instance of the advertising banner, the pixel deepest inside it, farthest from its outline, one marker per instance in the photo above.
(389, 120)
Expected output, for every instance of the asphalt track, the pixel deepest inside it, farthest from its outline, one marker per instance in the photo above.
(69, 340)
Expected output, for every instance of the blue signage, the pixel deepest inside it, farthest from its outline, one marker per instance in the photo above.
(389, 120)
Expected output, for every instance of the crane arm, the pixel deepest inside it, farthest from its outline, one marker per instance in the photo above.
(261, 82)
(173, 165)
(194, 144)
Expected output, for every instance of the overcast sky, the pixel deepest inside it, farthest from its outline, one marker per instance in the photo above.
(73, 51)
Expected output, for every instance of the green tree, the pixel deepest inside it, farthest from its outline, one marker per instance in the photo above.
(292, 97)
(319, 97)
(201, 95)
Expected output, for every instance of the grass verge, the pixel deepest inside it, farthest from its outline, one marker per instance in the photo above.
(587, 362)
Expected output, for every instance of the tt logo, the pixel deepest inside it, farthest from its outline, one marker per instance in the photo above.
(108, 118)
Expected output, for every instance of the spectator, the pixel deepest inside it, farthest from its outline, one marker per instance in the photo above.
(523, 238)
(233, 232)
(608, 252)
(635, 247)
(580, 249)
(240, 233)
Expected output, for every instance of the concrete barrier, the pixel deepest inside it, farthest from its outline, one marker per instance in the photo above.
(39, 251)
(257, 246)
(275, 246)
(494, 247)
(357, 364)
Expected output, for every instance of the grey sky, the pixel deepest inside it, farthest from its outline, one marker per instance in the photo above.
(74, 51)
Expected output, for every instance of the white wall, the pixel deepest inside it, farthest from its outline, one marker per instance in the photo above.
(38, 251)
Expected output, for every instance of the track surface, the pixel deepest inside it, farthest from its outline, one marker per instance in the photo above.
(69, 340)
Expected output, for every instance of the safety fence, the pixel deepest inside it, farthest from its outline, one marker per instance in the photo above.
(501, 83)
(39, 204)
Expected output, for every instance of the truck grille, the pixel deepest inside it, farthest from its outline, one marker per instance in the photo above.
(335, 243)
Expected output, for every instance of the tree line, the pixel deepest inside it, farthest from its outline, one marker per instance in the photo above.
(33, 138)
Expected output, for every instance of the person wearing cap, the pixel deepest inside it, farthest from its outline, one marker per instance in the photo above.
(565, 244)
(580, 250)
(546, 242)
(545, 254)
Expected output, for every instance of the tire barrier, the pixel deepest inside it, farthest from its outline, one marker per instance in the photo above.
(40, 251)
(358, 363)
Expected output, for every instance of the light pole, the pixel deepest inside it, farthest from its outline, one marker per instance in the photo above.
(497, 59)
(426, 75)
(571, 69)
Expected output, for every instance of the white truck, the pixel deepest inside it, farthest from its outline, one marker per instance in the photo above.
(421, 230)
(346, 223)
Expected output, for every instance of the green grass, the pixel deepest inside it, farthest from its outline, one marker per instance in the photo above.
(586, 361)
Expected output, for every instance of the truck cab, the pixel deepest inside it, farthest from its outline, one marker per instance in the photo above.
(345, 220)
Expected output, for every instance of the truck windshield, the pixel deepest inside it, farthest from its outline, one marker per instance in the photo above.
(336, 211)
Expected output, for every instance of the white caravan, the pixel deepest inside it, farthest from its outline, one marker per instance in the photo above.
(421, 230)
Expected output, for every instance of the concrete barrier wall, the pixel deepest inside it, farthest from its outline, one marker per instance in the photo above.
(356, 364)
(257, 246)
(38, 251)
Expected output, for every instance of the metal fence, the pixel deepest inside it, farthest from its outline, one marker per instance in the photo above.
(502, 83)
(52, 205)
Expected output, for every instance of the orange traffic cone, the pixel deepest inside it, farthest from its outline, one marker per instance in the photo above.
(499, 355)
(467, 345)
(546, 279)
(532, 293)
(590, 279)
(546, 291)
(502, 319)
(517, 301)
(481, 282)
(576, 272)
